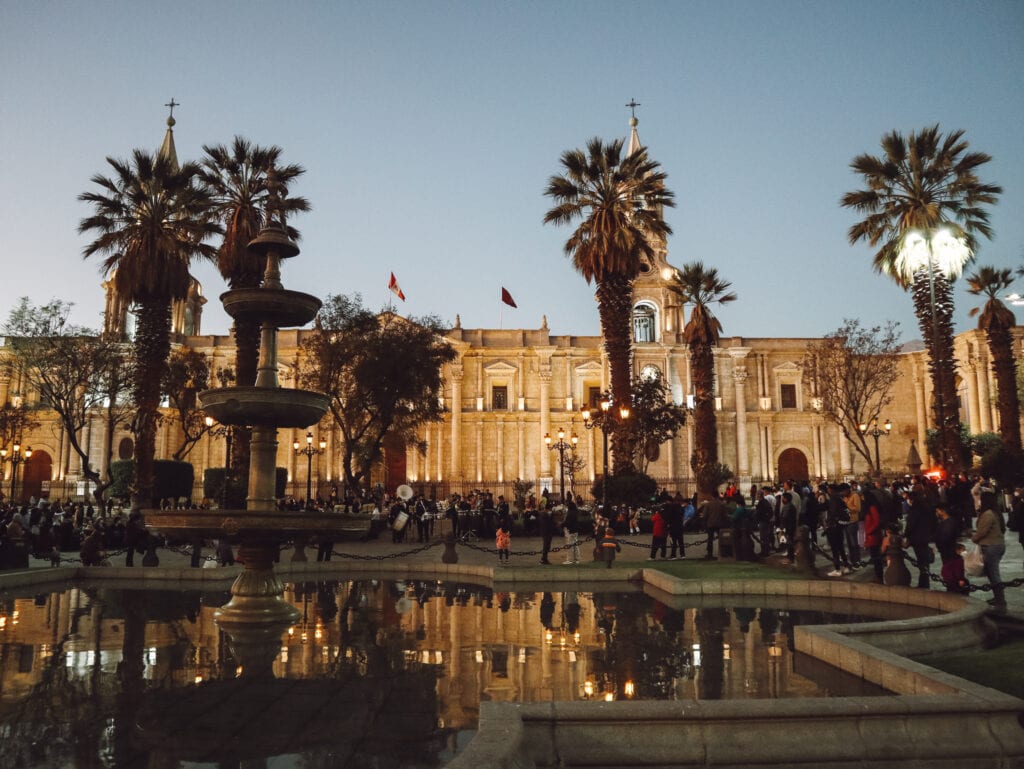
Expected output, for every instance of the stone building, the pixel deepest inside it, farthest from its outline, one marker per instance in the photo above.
(507, 389)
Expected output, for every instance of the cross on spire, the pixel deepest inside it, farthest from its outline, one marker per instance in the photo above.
(172, 104)
(633, 104)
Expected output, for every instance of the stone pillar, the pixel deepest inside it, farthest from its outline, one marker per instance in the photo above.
(845, 460)
(499, 444)
(981, 371)
(770, 445)
(971, 379)
(520, 448)
(5, 387)
(479, 441)
(457, 373)
(545, 415)
(740, 376)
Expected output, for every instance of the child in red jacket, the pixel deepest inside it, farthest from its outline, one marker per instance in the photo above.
(659, 528)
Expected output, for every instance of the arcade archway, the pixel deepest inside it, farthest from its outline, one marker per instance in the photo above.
(793, 464)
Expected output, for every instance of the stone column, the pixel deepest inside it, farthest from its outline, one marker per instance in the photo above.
(740, 375)
(479, 451)
(500, 446)
(545, 415)
(457, 373)
(971, 379)
(5, 387)
(845, 460)
(770, 444)
(981, 371)
(520, 448)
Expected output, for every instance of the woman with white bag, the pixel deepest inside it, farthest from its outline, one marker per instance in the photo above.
(989, 535)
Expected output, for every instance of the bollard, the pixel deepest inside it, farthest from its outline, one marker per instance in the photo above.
(299, 553)
(449, 555)
(151, 558)
(803, 553)
(726, 545)
(896, 571)
(744, 544)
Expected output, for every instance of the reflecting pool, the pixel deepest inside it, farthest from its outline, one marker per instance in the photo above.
(375, 673)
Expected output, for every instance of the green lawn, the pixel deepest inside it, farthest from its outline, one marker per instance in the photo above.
(998, 668)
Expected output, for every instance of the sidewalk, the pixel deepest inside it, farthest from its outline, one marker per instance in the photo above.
(526, 553)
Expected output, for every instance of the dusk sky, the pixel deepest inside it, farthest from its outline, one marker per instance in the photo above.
(429, 130)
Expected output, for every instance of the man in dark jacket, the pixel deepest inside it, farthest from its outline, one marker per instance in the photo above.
(716, 518)
(672, 511)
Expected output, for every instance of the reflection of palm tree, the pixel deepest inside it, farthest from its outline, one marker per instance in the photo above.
(997, 321)
(711, 625)
(619, 203)
(924, 207)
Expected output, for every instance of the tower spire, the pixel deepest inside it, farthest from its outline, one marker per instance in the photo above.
(634, 137)
(167, 148)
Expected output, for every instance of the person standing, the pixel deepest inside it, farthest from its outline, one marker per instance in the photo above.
(874, 529)
(571, 530)
(716, 518)
(919, 531)
(546, 524)
(852, 530)
(673, 512)
(990, 535)
(503, 539)
(836, 517)
(659, 534)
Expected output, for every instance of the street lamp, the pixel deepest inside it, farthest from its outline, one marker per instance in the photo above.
(228, 433)
(876, 433)
(309, 451)
(604, 420)
(943, 250)
(16, 458)
(561, 447)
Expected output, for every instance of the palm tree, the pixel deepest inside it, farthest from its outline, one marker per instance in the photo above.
(997, 321)
(924, 207)
(240, 180)
(151, 219)
(246, 181)
(701, 287)
(619, 203)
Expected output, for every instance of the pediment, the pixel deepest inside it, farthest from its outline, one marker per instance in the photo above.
(500, 368)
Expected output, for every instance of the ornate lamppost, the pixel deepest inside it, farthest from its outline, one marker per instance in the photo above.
(310, 451)
(606, 419)
(228, 434)
(876, 433)
(16, 458)
(561, 447)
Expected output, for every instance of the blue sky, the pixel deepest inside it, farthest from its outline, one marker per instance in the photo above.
(429, 130)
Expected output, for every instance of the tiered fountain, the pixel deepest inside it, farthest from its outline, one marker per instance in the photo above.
(256, 615)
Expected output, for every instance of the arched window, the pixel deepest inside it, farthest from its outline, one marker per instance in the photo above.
(645, 323)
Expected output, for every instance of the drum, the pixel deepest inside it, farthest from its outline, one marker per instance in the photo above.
(400, 520)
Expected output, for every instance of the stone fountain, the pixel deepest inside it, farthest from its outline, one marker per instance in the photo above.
(257, 614)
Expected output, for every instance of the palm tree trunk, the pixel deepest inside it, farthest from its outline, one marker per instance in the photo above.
(152, 348)
(1000, 345)
(705, 424)
(614, 304)
(936, 325)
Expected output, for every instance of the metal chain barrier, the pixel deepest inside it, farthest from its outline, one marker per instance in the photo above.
(971, 587)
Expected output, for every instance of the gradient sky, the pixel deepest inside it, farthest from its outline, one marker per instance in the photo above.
(429, 130)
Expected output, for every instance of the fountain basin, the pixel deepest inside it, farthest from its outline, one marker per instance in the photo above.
(278, 306)
(247, 525)
(264, 406)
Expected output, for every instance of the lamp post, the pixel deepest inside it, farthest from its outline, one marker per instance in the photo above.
(876, 433)
(603, 420)
(228, 433)
(561, 447)
(16, 458)
(309, 451)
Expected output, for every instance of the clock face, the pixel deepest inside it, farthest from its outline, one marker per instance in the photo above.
(649, 373)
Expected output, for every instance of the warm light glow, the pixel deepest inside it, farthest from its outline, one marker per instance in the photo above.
(28, 452)
(605, 405)
(888, 426)
(863, 427)
(586, 414)
(208, 421)
(309, 439)
(774, 650)
(629, 688)
(624, 412)
(548, 636)
(522, 654)
(609, 697)
(323, 444)
(479, 655)
(944, 250)
(561, 434)
(588, 688)
(547, 438)
(295, 445)
(198, 679)
(575, 439)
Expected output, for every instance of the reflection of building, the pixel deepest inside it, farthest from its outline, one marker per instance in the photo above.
(509, 388)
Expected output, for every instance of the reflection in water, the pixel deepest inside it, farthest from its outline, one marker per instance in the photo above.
(374, 672)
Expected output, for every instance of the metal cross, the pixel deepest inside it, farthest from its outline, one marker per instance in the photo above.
(633, 104)
(172, 104)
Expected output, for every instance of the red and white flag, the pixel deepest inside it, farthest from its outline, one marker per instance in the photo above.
(506, 297)
(395, 288)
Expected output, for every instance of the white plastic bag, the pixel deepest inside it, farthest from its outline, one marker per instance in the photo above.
(974, 562)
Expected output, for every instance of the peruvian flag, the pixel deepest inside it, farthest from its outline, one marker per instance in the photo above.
(395, 288)
(506, 297)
